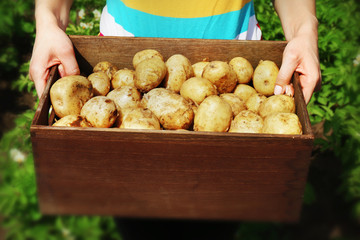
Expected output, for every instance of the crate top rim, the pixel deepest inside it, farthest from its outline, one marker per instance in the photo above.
(179, 39)
(170, 133)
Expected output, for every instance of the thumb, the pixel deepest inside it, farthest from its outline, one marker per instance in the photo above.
(284, 76)
(69, 66)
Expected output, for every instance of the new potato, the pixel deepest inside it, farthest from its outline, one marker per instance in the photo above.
(123, 77)
(236, 103)
(69, 94)
(72, 121)
(277, 103)
(139, 118)
(244, 91)
(149, 73)
(125, 98)
(247, 122)
(106, 67)
(265, 75)
(242, 68)
(254, 101)
(172, 110)
(146, 54)
(100, 82)
(100, 111)
(197, 89)
(214, 115)
(179, 69)
(282, 123)
(199, 68)
(221, 75)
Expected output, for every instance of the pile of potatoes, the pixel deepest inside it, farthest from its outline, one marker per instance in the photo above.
(174, 94)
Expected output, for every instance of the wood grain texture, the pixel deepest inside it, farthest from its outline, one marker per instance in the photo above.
(119, 50)
(170, 174)
(42, 111)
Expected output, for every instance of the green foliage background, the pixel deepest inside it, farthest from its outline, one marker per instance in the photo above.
(332, 196)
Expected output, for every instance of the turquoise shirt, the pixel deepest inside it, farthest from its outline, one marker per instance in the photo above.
(210, 19)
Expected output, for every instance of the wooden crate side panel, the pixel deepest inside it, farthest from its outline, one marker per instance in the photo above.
(120, 51)
(130, 177)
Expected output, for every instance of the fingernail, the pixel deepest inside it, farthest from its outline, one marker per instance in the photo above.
(288, 90)
(277, 90)
(61, 70)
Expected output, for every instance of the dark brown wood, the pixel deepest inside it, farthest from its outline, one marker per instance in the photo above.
(301, 108)
(42, 111)
(170, 174)
(120, 50)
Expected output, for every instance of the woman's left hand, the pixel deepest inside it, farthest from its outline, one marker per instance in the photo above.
(300, 55)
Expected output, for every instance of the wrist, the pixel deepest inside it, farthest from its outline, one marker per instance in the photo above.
(307, 26)
(49, 17)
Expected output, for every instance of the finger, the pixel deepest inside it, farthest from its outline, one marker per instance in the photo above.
(286, 71)
(68, 65)
(40, 88)
(41, 82)
(289, 90)
(308, 87)
(38, 75)
(61, 70)
(310, 80)
(318, 83)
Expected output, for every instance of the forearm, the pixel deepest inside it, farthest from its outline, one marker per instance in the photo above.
(52, 46)
(300, 25)
(52, 13)
(297, 17)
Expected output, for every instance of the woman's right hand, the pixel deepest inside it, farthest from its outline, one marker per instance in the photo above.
(52, 47)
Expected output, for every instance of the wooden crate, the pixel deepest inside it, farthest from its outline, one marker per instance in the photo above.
(170, 174)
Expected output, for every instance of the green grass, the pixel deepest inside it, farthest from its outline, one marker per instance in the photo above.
(336, 156)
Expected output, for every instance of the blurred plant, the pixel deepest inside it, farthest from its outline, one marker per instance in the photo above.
(84, 22)
(335, 110)
(16, 34)
(19, 210)
(268, 20)
(18, 198)
(335, 107)
(85, 17)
